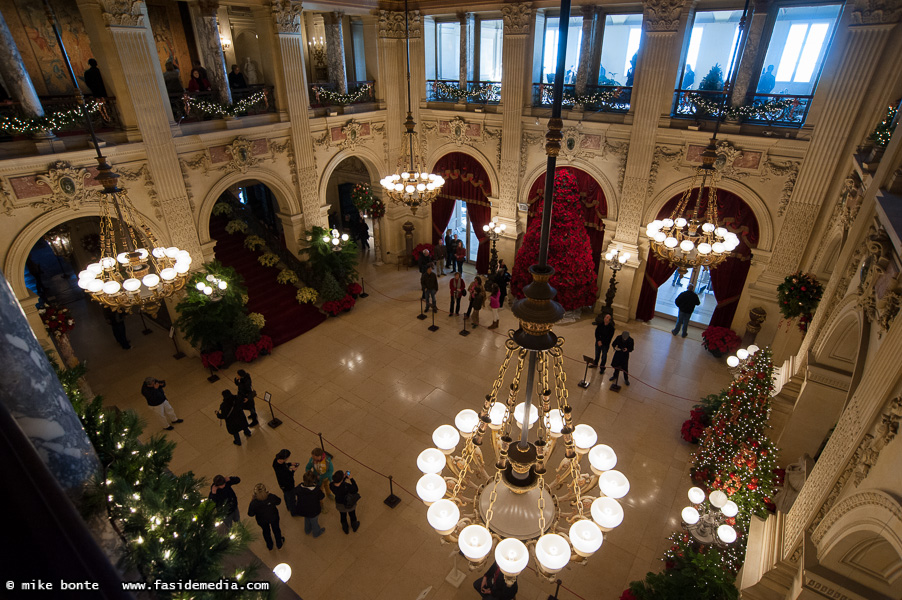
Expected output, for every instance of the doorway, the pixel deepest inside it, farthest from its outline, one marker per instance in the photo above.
(461, 225)
(668, 292)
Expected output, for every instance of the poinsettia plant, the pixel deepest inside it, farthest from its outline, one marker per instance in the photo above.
(377, 210)
(720, 339)
(247, 352)
(211, 360)
(57, 320)
(798, 296)
(334, 307)
(419, 250)
(354, 289)
(264, 344)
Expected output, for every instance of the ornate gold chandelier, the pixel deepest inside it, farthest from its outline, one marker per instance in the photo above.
(413, 187)
(688, 239)
(134, 270)
(518, 500)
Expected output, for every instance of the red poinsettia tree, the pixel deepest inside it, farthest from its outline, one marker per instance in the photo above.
(569, 250)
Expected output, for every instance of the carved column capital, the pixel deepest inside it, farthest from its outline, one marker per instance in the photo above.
(662, 15)
(517, 17)
(391, 24)
(287, 16)
(876, 12)
(123, 13)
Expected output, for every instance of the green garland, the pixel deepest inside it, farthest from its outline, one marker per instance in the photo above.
(53, 122)
(884, 130)
(329, 96)
(798, 296)
(595, 98)
(217, 109)
(756, 110)
(362, 197)
(490, 92)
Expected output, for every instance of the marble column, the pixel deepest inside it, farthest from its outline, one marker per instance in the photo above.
(135, 47)
(31, 392)
(335, 52)
(749, 62)
(589, 49)
(206, 32)
(467, 48)
(290, 68)
(516, 87)
(16, 78)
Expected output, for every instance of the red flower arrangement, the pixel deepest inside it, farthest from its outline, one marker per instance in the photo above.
(354, 289)
(569, 251)
(722, 340)
(333, 307)
(628, 595)
(264, 344)
(419, 250)
(247, 352)
(57, 320)
(211, 360)
(377, 209)
(694, 427)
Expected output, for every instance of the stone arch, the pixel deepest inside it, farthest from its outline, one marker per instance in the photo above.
(826, 261)
(282, 190)
(838, 344)
(481, 158)
(375, 166)
(745, 193)
(610, 190)
(14, 266)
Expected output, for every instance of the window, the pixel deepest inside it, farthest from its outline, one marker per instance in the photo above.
(491, 36)
(622, 36)
(797, 48)
(549, 54)
(359, 53)
(709, 55)
(442, 40)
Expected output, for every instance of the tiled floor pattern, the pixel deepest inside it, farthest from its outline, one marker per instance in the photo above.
(376, 383)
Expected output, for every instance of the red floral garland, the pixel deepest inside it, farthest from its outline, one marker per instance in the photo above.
(57, 320)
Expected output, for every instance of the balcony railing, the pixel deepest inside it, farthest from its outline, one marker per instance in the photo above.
(106, 118)
(325, 94)
(599, 98)
(449, 90)
(781, 110)
(184, 114)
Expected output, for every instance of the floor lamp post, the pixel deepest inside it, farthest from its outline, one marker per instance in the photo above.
(615, 259)
(493, 231)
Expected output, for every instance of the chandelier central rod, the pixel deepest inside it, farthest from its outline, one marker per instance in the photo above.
(530, 379)
(409, 110)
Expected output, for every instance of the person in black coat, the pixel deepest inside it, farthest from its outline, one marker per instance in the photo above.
(604, 333)
(152, 390)
(223, 495)
(345, 490)
(285, 476)
(264, 507)
(492, 585)
(308, 503)
(622, 345)
(449, 249)
(236, 78)
(94, 80)
(231, 412)
(247, 394)
(686, 302)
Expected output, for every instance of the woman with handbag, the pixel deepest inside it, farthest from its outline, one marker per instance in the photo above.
(345, 489)
(232, 413)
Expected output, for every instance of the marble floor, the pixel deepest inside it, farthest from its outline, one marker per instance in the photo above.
(376, 383)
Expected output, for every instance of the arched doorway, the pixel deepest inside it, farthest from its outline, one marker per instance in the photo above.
(726, 281)
(595, 207)
(463, 205)
(343, 214)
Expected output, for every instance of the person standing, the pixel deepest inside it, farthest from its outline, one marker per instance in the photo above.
(152, 390)
(477, 299)
(494, 304)
(196, 66)
(767, 82)
(308, 503)
(502, 278)
(460, 256)
(492, 585)
(449, 250)
(686, 302)
(429, 283)
(236, 79)
(173, 79)
(198, 83)
(94, 80)
(247, 394)
(223, 495)
(622, 345)
(344, 488)
(285, 476)
(458, 290)
(363, 233)
(424, 260)
(117, 322)
(441, 255)
(604, 333)
(232, 413)
(265, 508)
(321, 464)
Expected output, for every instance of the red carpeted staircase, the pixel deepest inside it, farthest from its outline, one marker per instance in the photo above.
(286, 319)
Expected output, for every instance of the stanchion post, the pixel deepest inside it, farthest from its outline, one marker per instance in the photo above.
(556, 590)
(267, 397)
(323, 447)
(392, 500)
(433, 328)
(146, 330)
(178, 352)
(422, 315)
(363, 293)
(464, 331)
(213, 378)
(585, 382)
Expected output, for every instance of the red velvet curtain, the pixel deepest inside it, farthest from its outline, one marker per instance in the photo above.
(595, 208)
(465, 179)
(728, 279)
(656, 273)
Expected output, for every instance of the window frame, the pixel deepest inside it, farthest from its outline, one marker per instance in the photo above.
(436, 22)
(556, 14)
(477, 48)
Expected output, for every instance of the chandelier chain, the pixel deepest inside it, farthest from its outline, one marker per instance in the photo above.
(492, 498)
(575, 474)
(469, 453)
(521, 359)
(541, 504)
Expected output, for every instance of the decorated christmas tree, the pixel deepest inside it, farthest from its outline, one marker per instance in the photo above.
(569, 251)
(713, 81)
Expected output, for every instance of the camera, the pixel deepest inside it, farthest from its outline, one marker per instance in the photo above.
(161, 381)
(297, 465)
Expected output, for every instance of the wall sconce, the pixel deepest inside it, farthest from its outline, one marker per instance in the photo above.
(225, 42)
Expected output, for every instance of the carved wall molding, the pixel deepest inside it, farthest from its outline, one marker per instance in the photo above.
(143, 174)
(662, 15)
(277, 148)
(67, 187)
(242, 155)
(392, 26)
(669, 154)
(6, 197)
(875, 499)
(123, 13)
(200, 161)
(881, 281)
(517, 18)
(494, 133)
(883, 433)
(876, 12)
(788, 169)
(528, 139)
(619, 151)
(286, 15)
